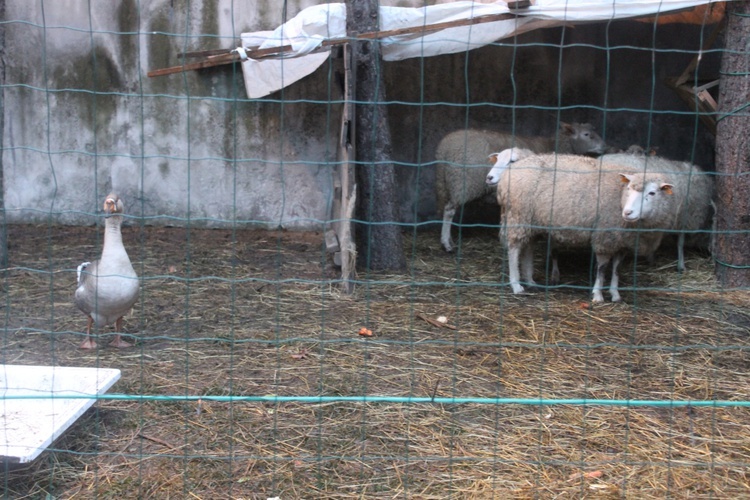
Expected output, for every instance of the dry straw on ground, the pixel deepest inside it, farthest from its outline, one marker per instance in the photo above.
(249, 313)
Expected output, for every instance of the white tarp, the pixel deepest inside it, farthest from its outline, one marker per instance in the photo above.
(308, 29)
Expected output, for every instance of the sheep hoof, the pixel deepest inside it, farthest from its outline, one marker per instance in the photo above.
(616, 298)
(517, 289)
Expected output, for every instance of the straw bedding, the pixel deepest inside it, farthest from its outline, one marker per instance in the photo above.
(253, 312)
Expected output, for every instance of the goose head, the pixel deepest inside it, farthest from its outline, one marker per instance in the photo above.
(113, 205)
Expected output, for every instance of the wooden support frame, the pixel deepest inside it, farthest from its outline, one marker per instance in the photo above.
(695, 94)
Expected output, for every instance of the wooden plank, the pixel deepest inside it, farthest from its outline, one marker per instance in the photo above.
(220, 60)
(706, 86)
(708, 100)
(690, 69)
(697, 96)
(348, 255)
(206, 53)
(701, 103)
(206, 63)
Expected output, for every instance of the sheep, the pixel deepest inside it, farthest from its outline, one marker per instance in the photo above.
(462, 166)
(693, 211)
(501, 160)
(694, 208)
(575, 203)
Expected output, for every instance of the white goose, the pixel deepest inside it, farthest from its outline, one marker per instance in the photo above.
(108, 287)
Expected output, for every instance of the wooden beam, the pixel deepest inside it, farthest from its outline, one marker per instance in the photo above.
(220, 60)
(697, 96)
(687, 74)
(699, 101)
(205, 53)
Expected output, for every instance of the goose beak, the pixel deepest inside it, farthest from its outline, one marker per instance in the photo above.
(111, 206)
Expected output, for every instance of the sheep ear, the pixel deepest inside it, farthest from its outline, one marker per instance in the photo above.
(666, 188)
(493, 157)
(566, 128)
(626, 179)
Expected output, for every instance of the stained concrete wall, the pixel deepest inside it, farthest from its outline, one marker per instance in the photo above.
(82, 118)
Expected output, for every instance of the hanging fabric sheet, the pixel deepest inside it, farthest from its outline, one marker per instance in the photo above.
(307, 31)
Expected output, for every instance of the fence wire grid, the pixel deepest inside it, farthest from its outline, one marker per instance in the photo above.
(252, 374)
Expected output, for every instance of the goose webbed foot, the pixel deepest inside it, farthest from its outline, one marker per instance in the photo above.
(118, 342)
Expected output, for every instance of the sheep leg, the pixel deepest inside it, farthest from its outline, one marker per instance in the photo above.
(514, 252)
(445, 234)
(601, 266)
(615, 282)
(527, 264)
(681, 252)
(555, 276)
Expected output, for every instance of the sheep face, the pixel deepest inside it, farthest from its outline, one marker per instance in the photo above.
(501, 160)
(583, 139)
(641, 199)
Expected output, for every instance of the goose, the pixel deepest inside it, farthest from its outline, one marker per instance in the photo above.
(108, 287)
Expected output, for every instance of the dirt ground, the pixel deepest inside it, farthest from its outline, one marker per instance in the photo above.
(259, 313)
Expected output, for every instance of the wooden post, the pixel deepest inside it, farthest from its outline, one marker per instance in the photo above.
(379, 239)
(348, 195)
(733, 153)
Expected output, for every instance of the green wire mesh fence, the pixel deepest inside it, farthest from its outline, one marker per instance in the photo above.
(252, 373)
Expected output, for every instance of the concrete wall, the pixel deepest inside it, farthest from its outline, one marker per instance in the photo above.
(82, 118)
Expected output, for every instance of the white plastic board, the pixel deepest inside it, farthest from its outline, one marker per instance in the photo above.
(28, 426)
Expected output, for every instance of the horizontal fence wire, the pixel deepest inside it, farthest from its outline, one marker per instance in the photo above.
(389, 399)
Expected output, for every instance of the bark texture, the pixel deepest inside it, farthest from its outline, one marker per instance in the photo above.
(379, 245)
(732, 243)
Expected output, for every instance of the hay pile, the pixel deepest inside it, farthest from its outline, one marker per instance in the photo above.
(251, 312)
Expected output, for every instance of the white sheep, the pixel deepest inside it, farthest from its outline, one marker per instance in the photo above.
(575, 203)
(694, 186)
(500, 161)
(462, 163)
(693, 208)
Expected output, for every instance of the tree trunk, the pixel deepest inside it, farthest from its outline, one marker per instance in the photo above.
(379, 245)
(732, 244)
